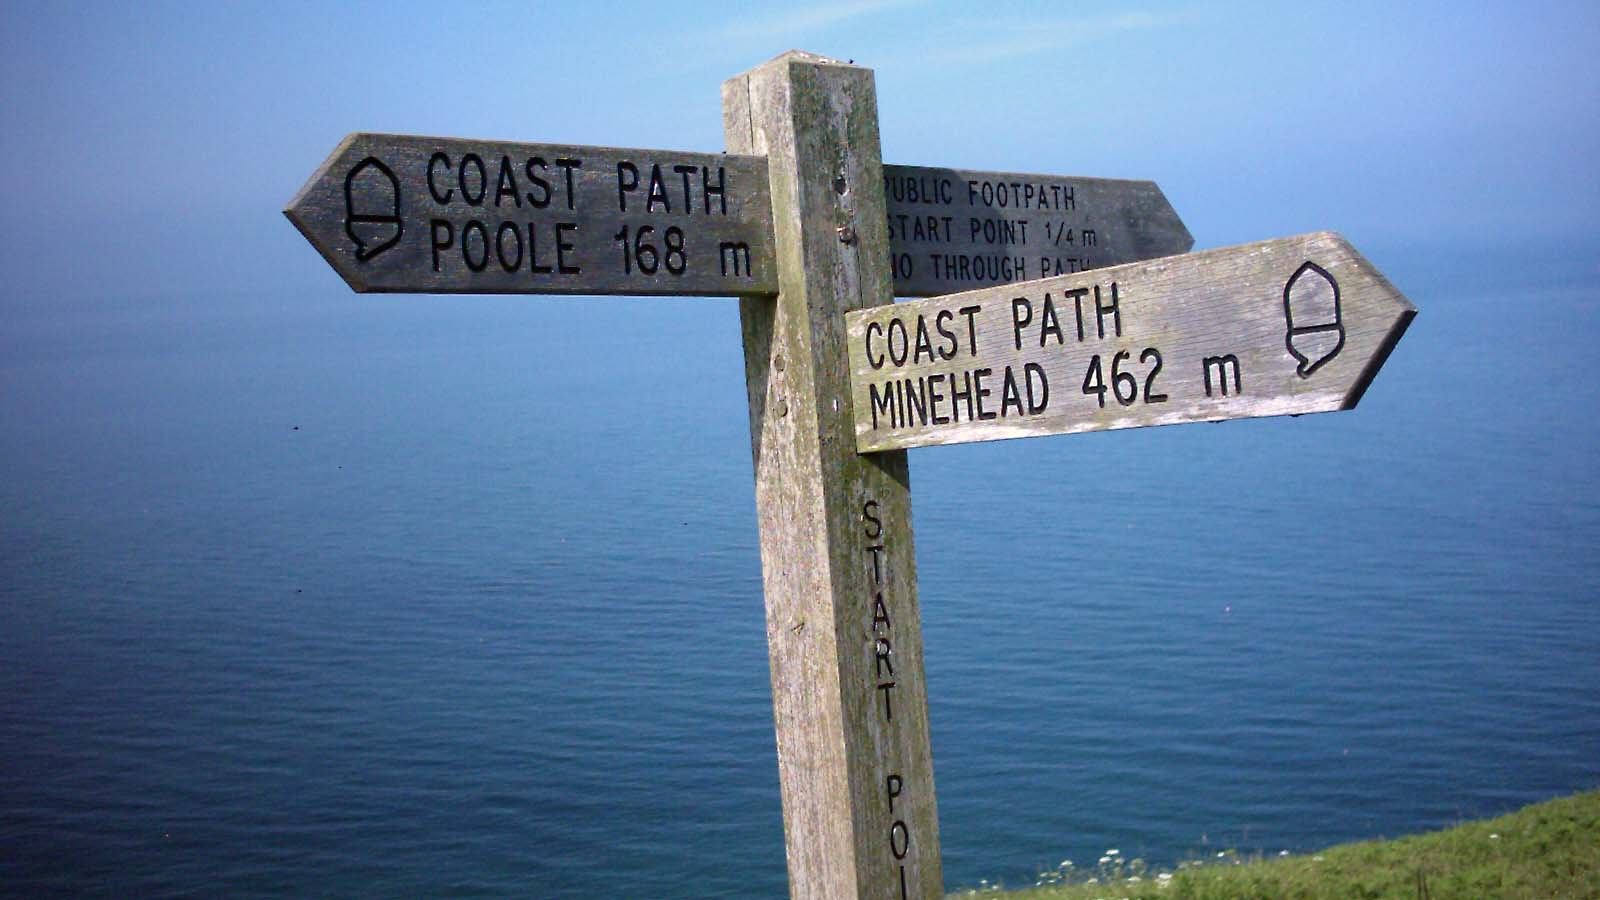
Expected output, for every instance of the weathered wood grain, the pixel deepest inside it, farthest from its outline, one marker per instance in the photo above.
(447, 215)
(395, 213)
(838, 563)
(957, 230)
(1282, 327)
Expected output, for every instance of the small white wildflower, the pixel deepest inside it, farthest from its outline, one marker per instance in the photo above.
(1164, 876)
(1283, 853)
(1316, 859)
(1093, 881)
(1113, 852)
(1221, 854)
(1134, 879)
(1495, 836)
(1066, 864)
(1104, 860)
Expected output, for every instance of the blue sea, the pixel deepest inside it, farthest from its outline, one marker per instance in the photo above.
(310, 593)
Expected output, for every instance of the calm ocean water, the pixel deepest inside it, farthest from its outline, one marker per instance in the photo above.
(347, 595)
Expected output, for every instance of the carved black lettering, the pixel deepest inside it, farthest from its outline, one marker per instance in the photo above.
(972, 327)
(673, 256)
(627, 182)
(872, 328)
(899, 839)
(537, 183)
(948, 349)
(1049, 323)
(567, 166)
(898, 356)
(444, 237)
(1123, 385)
(732, 250)
(902, 265)
(924, 343)
(915, 397)
(880, 615)
(706, 190)
(883, 403)
(935, 397)
(476, 162)
(877, 562)
(506, 186)
(533, 252)
(871, 524)
(684, 172)
(961, 394)
(1094, 382)
(978, 389)
(1077, 295)
(1038, 388)
(1221, 364)
(562, 247)
(1150, 396)
(1010, 393)
(657, 192)
(1101, 310)
(1021, 315)
(467, 230)
(513, 263)
(433, 188)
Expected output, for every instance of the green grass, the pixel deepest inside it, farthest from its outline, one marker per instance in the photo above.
(1546, 850)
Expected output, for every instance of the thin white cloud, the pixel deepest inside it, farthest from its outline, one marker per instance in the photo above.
(797, 22)
(1016, 38)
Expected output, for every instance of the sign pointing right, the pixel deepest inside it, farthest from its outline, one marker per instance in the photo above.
(1282, 327)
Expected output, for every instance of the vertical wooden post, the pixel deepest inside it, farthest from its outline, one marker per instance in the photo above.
(843, 627)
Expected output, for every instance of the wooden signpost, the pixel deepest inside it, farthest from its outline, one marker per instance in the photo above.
(1284, 327)
(838, 565)
(954, 230)
(803, 222)
(449, 216)
(403, 213)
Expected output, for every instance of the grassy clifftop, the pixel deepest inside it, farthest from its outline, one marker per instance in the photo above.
(1546, 850)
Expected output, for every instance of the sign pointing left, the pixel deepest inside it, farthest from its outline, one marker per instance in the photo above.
(444, 215)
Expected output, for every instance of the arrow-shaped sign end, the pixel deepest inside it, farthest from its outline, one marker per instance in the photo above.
(319, 211)
(1282, 327)
(1385, 296)
(1169, 215)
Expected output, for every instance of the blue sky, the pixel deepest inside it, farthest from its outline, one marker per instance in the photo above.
(150, 147)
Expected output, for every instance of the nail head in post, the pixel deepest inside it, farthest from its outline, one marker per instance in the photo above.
(847, 234)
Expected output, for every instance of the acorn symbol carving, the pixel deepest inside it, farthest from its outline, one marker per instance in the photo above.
(1311, 309)
(372, 208)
